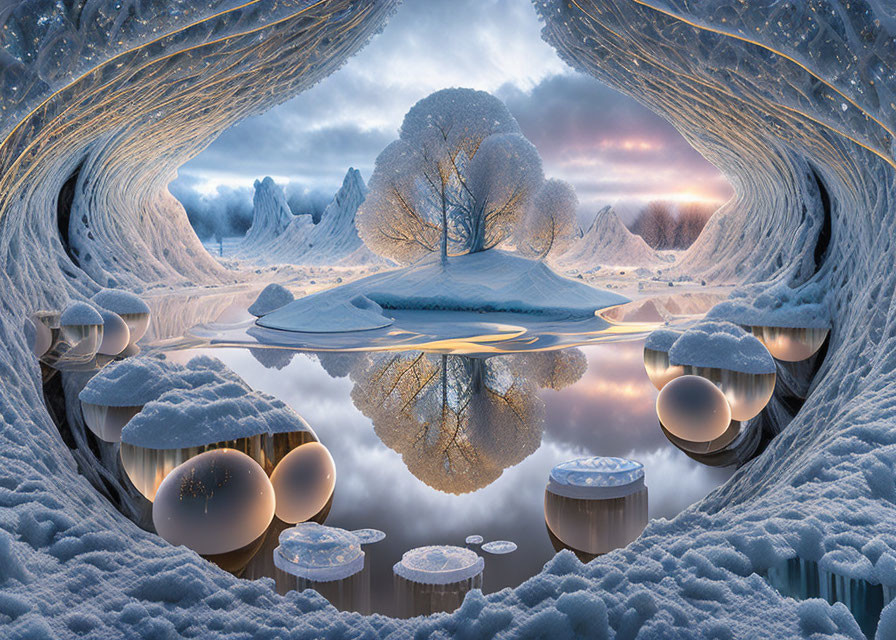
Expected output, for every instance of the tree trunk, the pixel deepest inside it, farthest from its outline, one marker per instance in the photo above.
(444, 243)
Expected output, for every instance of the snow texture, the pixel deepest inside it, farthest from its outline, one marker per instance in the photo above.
(485, 281)
(217, 411)
(271, 298)
(790, 100)
(120, 301)
(474, 539)
(80, 314)
(607, 242)
(721, 345)
(661, 339)
(776, 306)
(439, 564)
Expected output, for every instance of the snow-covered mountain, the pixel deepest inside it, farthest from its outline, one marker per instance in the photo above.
(271, 216)
(608, 242)
(334, 240)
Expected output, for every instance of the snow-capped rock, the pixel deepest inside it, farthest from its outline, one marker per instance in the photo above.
(607, 242)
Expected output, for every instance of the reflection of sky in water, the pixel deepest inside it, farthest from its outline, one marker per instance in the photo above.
(608, 412)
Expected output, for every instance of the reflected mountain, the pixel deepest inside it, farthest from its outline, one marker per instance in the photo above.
(459, 421)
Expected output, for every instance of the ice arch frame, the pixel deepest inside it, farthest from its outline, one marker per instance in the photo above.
(80, 105)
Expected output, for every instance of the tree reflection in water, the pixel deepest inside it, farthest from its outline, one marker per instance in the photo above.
(457, 420)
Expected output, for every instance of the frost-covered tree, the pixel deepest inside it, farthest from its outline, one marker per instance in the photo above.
(550, 223)
(456, 181)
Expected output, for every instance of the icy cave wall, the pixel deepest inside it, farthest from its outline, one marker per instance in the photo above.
(103, 100)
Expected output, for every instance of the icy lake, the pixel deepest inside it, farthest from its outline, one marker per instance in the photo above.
(593, 399)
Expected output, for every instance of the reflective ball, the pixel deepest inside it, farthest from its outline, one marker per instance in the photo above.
(137, 323)
(216, 502)
(303, 482)
(116, 334)
(790, 345)
(693, 408)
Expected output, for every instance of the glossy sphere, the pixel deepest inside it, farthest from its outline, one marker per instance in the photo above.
(216, 502)
(303, 482)
(116, 335)
(693, 408)
(43, 331)
(137, 323)
(790, 345)
(659, 369)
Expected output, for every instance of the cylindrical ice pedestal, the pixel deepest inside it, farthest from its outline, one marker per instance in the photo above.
(435, 578)
(595, 505)
(326, 559)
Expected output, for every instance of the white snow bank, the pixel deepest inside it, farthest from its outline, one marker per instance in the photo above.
(721, 345)
(485, 281)
(776, 306)
(271, 298)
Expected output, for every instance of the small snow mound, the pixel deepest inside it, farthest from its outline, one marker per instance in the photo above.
(120, 302)
(776, 306)
(218, 411)
(475, 539)
(317, 552)
(721, 345)
(608, 242)
(442, 564)
(80, 314)
(271, 298)
(369, 536)
(662, 339)
(499, 547)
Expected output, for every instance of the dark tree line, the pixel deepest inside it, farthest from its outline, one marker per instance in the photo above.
(665, 226)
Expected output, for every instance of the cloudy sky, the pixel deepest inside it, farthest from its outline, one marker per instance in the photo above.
(608, 146)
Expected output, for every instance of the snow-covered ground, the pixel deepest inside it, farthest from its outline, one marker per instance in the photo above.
(485, 281)
(791, 100)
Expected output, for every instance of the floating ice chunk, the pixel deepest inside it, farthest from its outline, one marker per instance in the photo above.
(134, 311)
(694, 409)
(216, 502)
(589, 476)
(271, 298)
(303, 482)
(499, 547)
(595, 505)
(369, 536)
(116, 334)
(316, 552)
(476, 539)
(439, 565)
